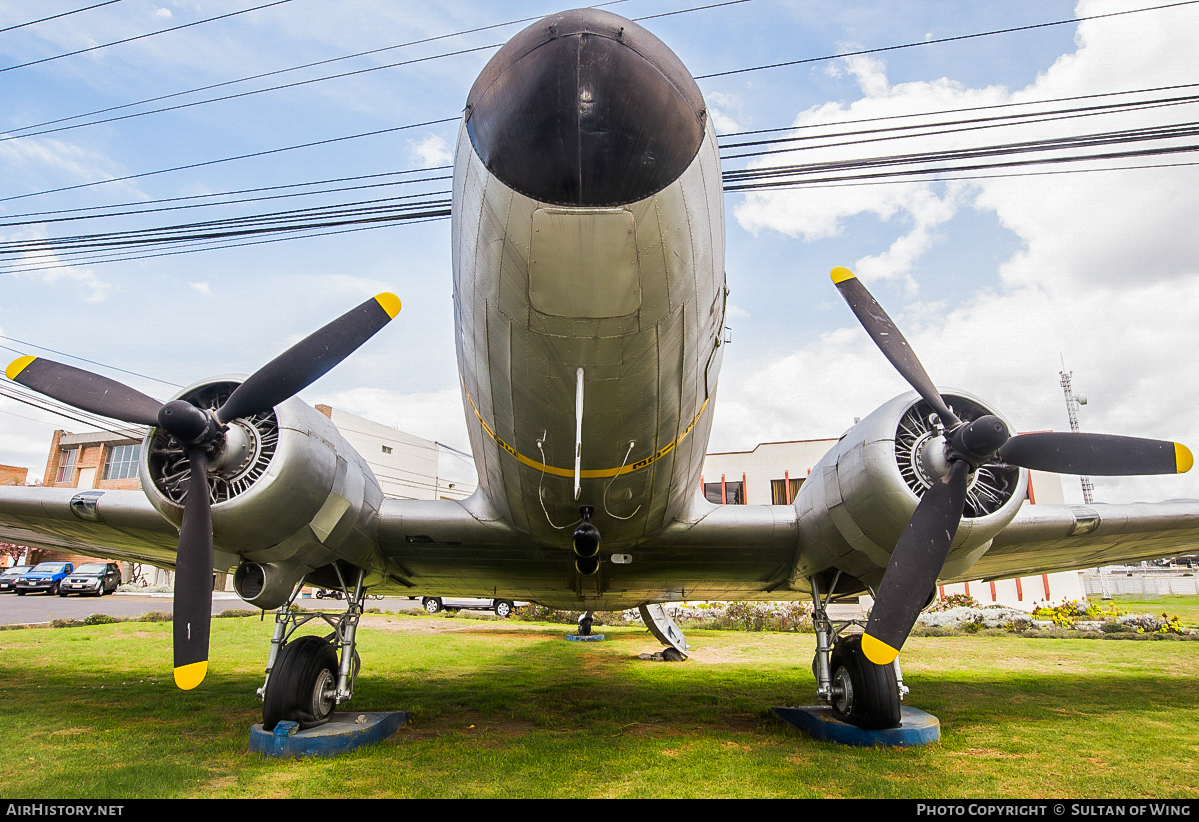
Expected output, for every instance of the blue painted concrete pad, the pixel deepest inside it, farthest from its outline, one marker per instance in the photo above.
(343, 732)
(916, 727)
(588, 638)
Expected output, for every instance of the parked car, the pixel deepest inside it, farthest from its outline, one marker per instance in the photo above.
(501, 607)
(92, 578)
(45, 577)
(8, 579)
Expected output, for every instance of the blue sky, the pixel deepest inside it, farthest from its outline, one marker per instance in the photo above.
(994, 281)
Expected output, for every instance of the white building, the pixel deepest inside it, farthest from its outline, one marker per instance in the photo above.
(773, 472)
(406, 466)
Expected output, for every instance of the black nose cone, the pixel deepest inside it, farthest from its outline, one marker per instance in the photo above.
(586, 108)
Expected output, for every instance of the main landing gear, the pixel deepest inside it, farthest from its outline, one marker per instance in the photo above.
(306, 677)
(860, 692)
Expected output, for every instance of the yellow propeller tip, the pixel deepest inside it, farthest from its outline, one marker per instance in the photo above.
(389, 302)
(17, 366)
(1183, 457)
(840, 274)
(189, 676)
(877, 651)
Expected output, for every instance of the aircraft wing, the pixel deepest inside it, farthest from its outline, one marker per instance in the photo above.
(120, 525)
(1046, 538)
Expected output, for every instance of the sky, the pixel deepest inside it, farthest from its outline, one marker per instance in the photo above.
(996, 282)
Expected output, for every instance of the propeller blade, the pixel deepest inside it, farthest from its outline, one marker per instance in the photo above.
(309, 359)
(915, 565)
(84, 390)
(891, 342)
(193, 578)
(1096, 454)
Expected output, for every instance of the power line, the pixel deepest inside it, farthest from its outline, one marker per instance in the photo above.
(80, 359)
(10, 391)
(960, 110)
(56, 16)
(237, 157)
(369, 69)
(237, 191)
(254, 91)
(941, 40)
(143, 36)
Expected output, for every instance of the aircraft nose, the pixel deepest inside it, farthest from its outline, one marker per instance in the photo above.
(586, 108)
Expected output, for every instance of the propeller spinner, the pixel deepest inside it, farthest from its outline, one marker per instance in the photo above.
(201, 433)
(924, 545)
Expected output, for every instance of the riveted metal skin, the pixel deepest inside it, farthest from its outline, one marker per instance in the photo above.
(585, 108)
(532, 308)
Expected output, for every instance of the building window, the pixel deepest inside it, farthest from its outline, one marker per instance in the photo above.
(778, 491)
(386, 449)
(121, 462)
(732, 493)
(66, 465)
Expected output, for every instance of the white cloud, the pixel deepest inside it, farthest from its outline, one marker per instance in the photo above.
(202, 288)
(430, 152)
(722, 108)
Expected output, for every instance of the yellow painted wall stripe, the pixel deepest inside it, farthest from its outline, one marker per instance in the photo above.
(189, 676)
(840, 274)
(1183, 457)
(596, 473)
(390, 303)
(17, 366)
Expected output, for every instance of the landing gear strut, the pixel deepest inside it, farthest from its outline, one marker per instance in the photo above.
(305, 678)
(860, 692)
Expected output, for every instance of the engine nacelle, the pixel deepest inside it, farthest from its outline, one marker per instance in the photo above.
(289, 494)
(856, 502)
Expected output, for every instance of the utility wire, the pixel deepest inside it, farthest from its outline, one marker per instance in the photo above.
(960, 110)
(13, 392)
(237, 191)
(143, 36)
(450, 119)
(942, 40)
(367, 70)
(80, 359)
(56, 16)
(237, 157)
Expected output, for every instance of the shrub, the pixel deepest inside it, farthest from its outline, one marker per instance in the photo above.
(156, 616)
(99, 619)
(953, 601)
(230, 613)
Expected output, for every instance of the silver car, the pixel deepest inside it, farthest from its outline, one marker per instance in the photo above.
(93, 578)
(501, 607)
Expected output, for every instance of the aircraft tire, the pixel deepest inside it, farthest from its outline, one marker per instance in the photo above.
(304, 673)
(872, 700)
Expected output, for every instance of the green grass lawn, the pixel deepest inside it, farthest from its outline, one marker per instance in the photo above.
(511, 709)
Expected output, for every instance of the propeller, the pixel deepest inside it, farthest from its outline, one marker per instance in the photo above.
(201, 432)
(921, 550)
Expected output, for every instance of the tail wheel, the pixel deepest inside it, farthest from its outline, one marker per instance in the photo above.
(302, 684)
(866, 695)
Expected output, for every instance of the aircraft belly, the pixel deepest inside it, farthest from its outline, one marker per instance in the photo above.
(649, 374)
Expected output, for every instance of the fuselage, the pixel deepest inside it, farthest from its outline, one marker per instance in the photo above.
(588, 242)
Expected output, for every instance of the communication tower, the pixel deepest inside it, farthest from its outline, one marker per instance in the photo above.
(1072, 402)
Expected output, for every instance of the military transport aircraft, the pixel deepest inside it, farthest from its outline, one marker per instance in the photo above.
(589, 299)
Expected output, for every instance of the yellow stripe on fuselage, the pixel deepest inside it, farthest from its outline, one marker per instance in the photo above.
(596, 473)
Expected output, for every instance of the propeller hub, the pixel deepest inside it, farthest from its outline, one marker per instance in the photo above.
(977, 441)
(188, 424)
(934, 458)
